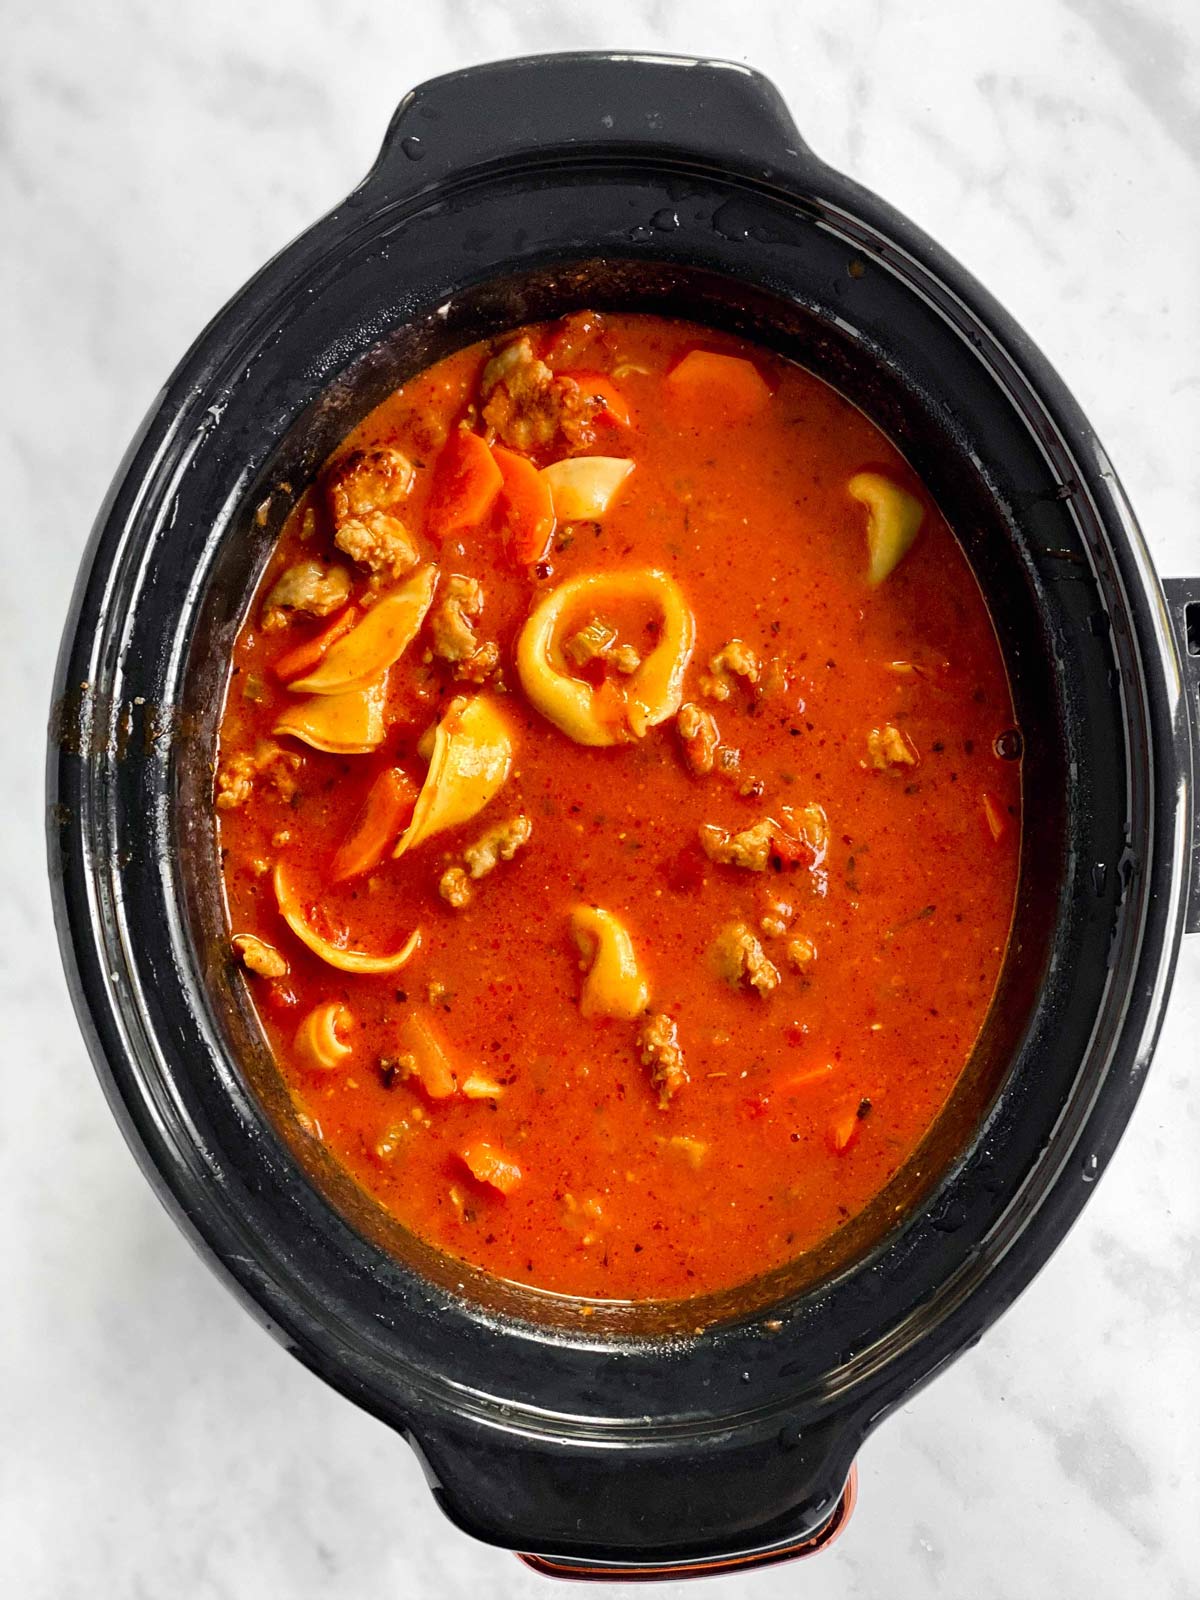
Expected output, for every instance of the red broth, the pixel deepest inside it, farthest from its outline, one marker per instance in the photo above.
(476, 1102)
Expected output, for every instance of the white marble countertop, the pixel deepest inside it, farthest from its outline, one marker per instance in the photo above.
(155, 1442)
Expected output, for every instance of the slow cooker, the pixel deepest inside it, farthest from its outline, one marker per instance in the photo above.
(671, 1438)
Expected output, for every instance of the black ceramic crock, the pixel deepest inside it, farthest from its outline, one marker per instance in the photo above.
(665, 1438)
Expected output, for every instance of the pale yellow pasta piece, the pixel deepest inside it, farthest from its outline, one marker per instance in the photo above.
(894, 520)
(648, 696)
(469, 764)
(349, 724)
(614, 985)
(345, 960)
(584, 487)
(376, 643)
(318, 1042)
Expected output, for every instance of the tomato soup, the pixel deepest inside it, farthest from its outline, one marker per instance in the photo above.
(619, 805)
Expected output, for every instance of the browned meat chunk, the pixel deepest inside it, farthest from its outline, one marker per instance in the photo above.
(658, 1044)
(455, 888)
(452, 624)
(700, 738)
(734, 659)
(529, 407)
(259, 956)
(309, 587)
(364, 491)
(798, 841)
(750, 849)
(236, 779)
(597, 641)
(889, 747)
(741, 960)
(499, 843)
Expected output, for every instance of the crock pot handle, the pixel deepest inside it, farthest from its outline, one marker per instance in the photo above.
(1183, 603)
(666, 1506)
(547, 106)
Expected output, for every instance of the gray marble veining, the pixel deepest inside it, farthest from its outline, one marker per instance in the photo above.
(156, 1443)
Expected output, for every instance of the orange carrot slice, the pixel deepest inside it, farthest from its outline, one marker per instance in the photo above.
(526, 507)
(488, 1163)
(596, 385)
(304, 657)
(466, 481)
(714, 390)
(386, 810)
(431, 1064)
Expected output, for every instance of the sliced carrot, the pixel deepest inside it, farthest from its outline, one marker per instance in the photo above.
(526, 507)
(304, 657)
(715, 389)
(994, 817)
(385, 812)
(595, 385)
(466, 481)
(488, 1163)
(431, 1064)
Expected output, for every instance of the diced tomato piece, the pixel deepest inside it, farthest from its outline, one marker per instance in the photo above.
(596, 385)
(714, 389)
(526, 508)
(385, 812)
(756, 1105)
(466, 481)
(304, 657)
(788, 853)
(488, 1163)
(687, 873)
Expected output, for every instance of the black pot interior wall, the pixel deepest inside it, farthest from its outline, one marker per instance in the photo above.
(918, 421)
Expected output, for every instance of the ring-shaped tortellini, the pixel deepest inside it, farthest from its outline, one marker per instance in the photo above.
(469, 764)
(894, 519)
(585, 711)
(614, 985)
(376, 643)
(349, 724)
(345, 960)
(318, 1042)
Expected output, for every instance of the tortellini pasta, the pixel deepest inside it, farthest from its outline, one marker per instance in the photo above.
(614, 985)
(894, 519)
(349, 724)
(469, 763)
(318, 1041)
(606, 714)
(339, 956)
(364, 654)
